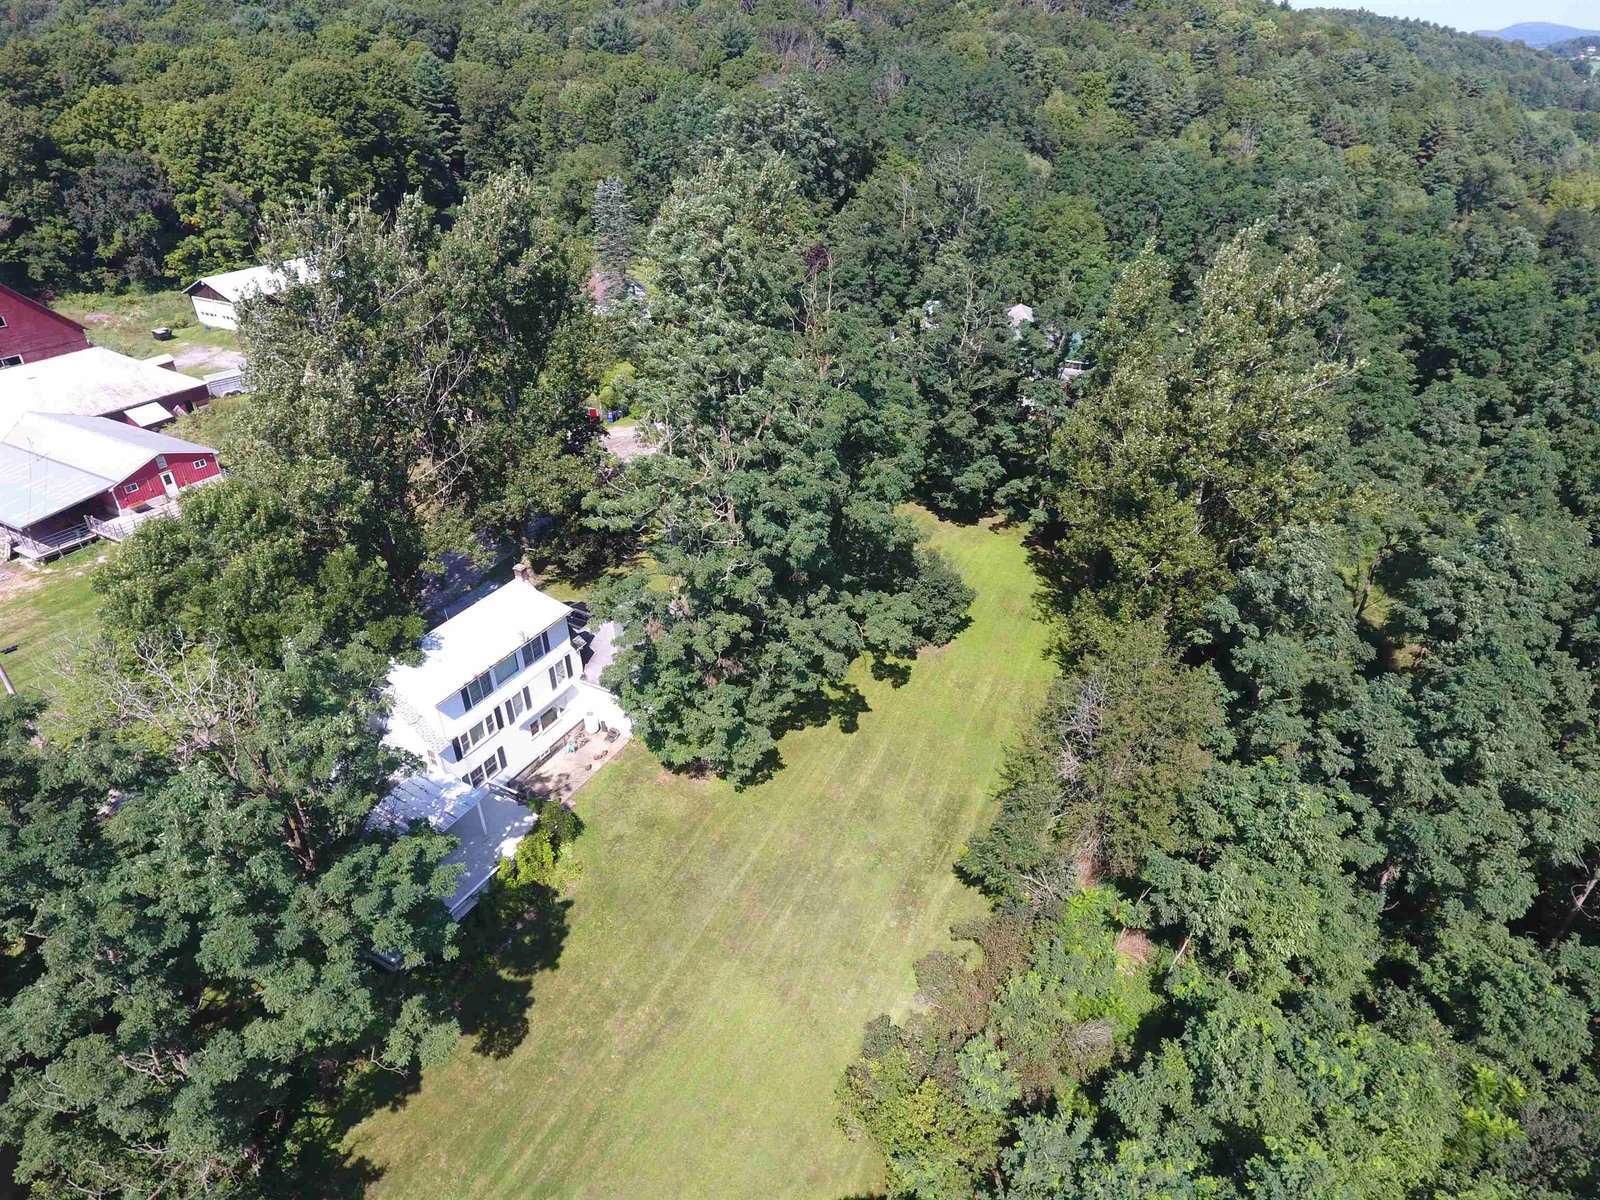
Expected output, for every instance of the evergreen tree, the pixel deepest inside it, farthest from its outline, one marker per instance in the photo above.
(614, 237)
(436, 97)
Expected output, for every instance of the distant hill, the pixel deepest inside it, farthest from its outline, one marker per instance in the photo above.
(1536, 33)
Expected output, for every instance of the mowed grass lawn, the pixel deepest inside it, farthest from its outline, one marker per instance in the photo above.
(725, 949)
(41, 610)
(122, 322)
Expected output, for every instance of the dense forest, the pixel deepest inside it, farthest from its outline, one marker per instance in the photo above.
(1294, 882)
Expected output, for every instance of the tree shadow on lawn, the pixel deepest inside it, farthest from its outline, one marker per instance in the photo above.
(315, 1161)
(493, 1007)
(841, 702)
(491, 996)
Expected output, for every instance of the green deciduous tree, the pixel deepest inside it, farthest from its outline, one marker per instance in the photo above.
(202, 955)
(1192, 444)
(779, 556)
(421, 383)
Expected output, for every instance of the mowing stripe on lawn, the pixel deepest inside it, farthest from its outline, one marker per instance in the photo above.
(725, 949)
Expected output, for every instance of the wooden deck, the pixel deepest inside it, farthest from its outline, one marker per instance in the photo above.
(121, 528)
(117, 529)
(50, 546)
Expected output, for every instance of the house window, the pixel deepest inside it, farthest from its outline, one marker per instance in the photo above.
(503, 671)
(506, 668)
(2, 321)
(535, 648)
(486, 770)
(549, 717)
(472, 695)
(161, 461)
(476, 734)
(561, 671)
(10, 360)
(516, 705)
(129, 489)
(199, 464)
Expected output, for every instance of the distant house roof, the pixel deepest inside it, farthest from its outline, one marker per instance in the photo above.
(261, 280)
(92, 383)
(475, 639)
(99, 446)
(1019, 314)
(33, 488)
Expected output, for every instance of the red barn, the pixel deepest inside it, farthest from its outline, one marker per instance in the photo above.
(66, 479)
(29, 331)
(100, 383)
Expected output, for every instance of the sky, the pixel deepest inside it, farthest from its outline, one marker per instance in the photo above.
(1476, 14)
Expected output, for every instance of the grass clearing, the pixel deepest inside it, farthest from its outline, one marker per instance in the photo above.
(42, 609)
(122, 322)
(725, 949)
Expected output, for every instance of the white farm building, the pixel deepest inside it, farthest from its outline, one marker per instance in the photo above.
(216, 297)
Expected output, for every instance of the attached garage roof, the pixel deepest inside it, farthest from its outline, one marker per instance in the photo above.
(439, 800)
(99, 445)
(33, 488)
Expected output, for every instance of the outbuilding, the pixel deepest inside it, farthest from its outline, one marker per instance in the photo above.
(216, 298)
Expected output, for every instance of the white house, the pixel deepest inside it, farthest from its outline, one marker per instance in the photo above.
(498, 690)
(215, 297)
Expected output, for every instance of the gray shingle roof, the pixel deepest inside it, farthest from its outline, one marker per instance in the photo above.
(90, 382)
(99, 445)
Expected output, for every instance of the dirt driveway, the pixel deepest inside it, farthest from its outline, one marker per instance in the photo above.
(207, 359)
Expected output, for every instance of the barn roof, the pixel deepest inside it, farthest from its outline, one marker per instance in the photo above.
(96, 445)
(91, 383)
(50, 462)
(33, 488)
(264, 280)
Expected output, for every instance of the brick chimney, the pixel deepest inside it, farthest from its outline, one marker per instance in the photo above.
(521, 572)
